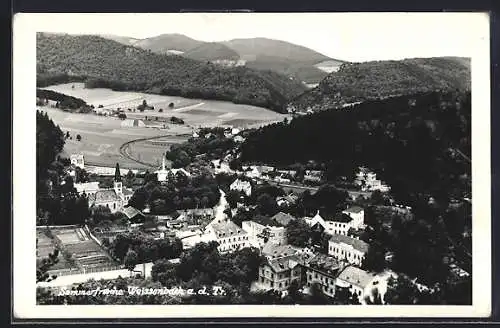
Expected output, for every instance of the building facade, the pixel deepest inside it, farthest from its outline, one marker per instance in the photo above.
(323, 270)
(347, 249)
(243, 186)
(261, 234)
(279, 273)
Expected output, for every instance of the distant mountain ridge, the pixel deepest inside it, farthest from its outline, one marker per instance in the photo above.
(212, 51)
(295, 61)
(106, 63)
(358, 82)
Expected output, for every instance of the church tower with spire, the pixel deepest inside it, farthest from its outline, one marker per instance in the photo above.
(118, 187)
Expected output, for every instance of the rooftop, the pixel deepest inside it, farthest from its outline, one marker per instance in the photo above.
(227, 229)
(127, 191)
(325, 263)
(356, 276)
(354, 209)
(344, 218)
(274, 250)
(283, 263)
(131, 212)
(355, 243)
(283, 218)
(103, 196)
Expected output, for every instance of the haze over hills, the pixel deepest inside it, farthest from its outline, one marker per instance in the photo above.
(358, 82)
(298, 62)
(105, 63)
(121, 39)
(164, 42)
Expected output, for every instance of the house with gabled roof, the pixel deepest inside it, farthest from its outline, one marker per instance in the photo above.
(362, 283)
(345, 248)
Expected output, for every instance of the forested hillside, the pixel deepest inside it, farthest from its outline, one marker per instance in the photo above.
(122, 67)
(63, 101)
(418, 144)
(212, 51)
(358, 82)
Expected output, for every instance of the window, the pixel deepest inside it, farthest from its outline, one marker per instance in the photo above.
(280, 285)
(272, 284)
(286, 283)
(272, 275)
(114, 206)
(308, 284)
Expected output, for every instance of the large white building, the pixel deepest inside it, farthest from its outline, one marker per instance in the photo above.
(344, 248)
(260, 234)
(243, 186)
(227, 234)
(351, 218)
(89, 188)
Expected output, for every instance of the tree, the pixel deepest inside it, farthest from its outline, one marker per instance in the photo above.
(78, 137)
(233, 197)
(160, 110)
(375, 257)
(171, 105)
(45, 264)
(122, 116)
(401, 291)
(377, 198)
(317, 297)
(130, 260)
(267, 205)
(298, 233)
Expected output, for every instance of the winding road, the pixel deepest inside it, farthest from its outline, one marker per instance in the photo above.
(125, 147)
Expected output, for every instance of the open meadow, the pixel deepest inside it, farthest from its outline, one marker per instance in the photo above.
(108, 140)
(195, 112)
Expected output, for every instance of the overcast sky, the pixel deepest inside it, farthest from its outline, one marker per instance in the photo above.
(348, 36)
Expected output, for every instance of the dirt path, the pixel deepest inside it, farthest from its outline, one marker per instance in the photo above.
(125, 147)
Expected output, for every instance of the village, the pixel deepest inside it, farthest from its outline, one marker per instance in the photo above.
(338, 265)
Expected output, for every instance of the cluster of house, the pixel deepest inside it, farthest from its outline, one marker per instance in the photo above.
(285, 264)
(229, 132)
(368, 181)
(115, 199)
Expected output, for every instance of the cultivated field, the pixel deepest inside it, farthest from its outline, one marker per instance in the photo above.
(85, 251)
(194, 112)
(103, 137)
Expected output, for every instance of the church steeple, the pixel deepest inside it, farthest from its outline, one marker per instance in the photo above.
(118, 176)
(118, 187)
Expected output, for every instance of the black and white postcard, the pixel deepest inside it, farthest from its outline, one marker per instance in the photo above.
(293, 164)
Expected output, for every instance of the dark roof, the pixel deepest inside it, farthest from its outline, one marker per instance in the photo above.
(325, 263)
(283, 263)
(103, 196)
(283, 218)
(341, 218)
(355, 243)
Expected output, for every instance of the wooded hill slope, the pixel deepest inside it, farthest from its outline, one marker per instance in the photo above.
(61, 58)
(357, 82)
